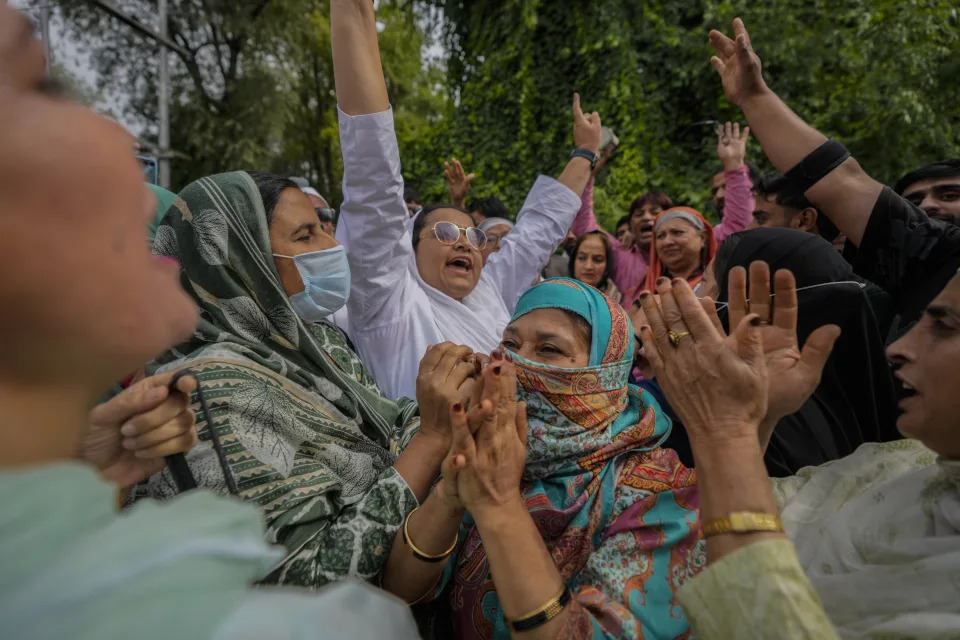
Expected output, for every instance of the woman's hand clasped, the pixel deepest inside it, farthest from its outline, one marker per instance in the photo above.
(448, 374)
(482, 472)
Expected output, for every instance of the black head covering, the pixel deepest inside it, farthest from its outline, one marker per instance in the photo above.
(856, 400)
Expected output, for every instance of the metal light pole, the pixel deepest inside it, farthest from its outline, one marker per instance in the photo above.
(163, 101)
(45, 35)
(163, 81)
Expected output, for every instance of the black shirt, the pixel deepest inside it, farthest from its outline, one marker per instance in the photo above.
(908, 254)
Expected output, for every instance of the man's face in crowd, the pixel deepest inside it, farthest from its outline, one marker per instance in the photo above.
(938, 197)
(718, 191)
(477, 217)
(767, 213)
(413, 207)
(641, 225)
(622, 230)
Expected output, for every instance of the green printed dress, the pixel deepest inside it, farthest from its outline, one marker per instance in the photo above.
(308, 436)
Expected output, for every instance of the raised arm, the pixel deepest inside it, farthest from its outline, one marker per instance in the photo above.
(356, 58)
(847, 194)
(587, 134)
(373, 216)
(546, 216)
(738, 200)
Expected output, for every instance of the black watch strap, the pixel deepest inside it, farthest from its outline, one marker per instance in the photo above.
(585, 153)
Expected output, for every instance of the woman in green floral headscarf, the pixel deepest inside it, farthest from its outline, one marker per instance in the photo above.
(306, 433)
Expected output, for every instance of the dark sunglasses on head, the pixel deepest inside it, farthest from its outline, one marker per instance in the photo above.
(449, 233)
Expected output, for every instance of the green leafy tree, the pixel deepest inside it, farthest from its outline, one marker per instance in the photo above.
(878, 74)
(255, 87)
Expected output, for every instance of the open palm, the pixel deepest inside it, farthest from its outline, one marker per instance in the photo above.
(739, 67)
(794, 373)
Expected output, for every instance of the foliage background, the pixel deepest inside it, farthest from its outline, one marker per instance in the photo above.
(257, 90)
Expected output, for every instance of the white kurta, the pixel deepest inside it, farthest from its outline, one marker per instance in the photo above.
(394, 315)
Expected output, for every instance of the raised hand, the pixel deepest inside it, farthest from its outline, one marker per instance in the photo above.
(458, 180)
(794, 374)
(739, 67)
(603, 159)
(130, 434)
(448, 374)
(587, 133)
(487, 457)
(731, 145)
(716, 384)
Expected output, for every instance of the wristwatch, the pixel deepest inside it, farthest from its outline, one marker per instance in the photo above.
(585, 153)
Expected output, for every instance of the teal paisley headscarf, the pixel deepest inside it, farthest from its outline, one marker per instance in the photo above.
(617, 512)
(307, 434)
(573, 412)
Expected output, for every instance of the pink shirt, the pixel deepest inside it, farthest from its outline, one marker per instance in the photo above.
(737, 204)
(630, 265)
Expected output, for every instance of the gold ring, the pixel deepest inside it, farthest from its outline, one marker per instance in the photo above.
(676, 337)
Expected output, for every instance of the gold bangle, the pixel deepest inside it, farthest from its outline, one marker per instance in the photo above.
(420, 554)
(743, 522)
(544, 614)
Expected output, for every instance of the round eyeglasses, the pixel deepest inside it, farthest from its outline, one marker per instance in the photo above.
(449, 233)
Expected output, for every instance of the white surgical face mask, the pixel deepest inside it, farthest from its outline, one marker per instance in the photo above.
(326, 278)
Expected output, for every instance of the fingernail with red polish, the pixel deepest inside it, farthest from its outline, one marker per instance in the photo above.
(755, 321)
(497, 355)
(496, 370)
(458, 407)
(507, 356)
(662, 281)
(677, 280)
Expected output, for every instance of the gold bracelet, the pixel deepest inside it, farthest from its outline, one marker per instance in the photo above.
(418, 553)
(743, 522)
(544, 614)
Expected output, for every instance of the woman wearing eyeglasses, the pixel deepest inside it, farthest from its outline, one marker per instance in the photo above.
(855, 401)
(496, 230)
(413, 287)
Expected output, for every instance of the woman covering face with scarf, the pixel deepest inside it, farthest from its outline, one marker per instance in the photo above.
(572, 503)
(306, 434)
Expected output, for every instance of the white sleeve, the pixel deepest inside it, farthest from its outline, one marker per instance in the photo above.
(542, 223)
(373, 220)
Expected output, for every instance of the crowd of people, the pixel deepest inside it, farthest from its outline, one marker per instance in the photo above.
(457, 423)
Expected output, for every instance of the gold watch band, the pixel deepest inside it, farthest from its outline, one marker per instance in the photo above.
(743, 522)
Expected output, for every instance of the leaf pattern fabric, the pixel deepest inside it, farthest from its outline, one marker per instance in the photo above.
(308, 436)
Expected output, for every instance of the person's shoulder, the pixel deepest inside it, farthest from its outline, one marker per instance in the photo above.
(891, 205)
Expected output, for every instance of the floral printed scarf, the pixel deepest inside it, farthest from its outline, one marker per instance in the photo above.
(307, 435)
